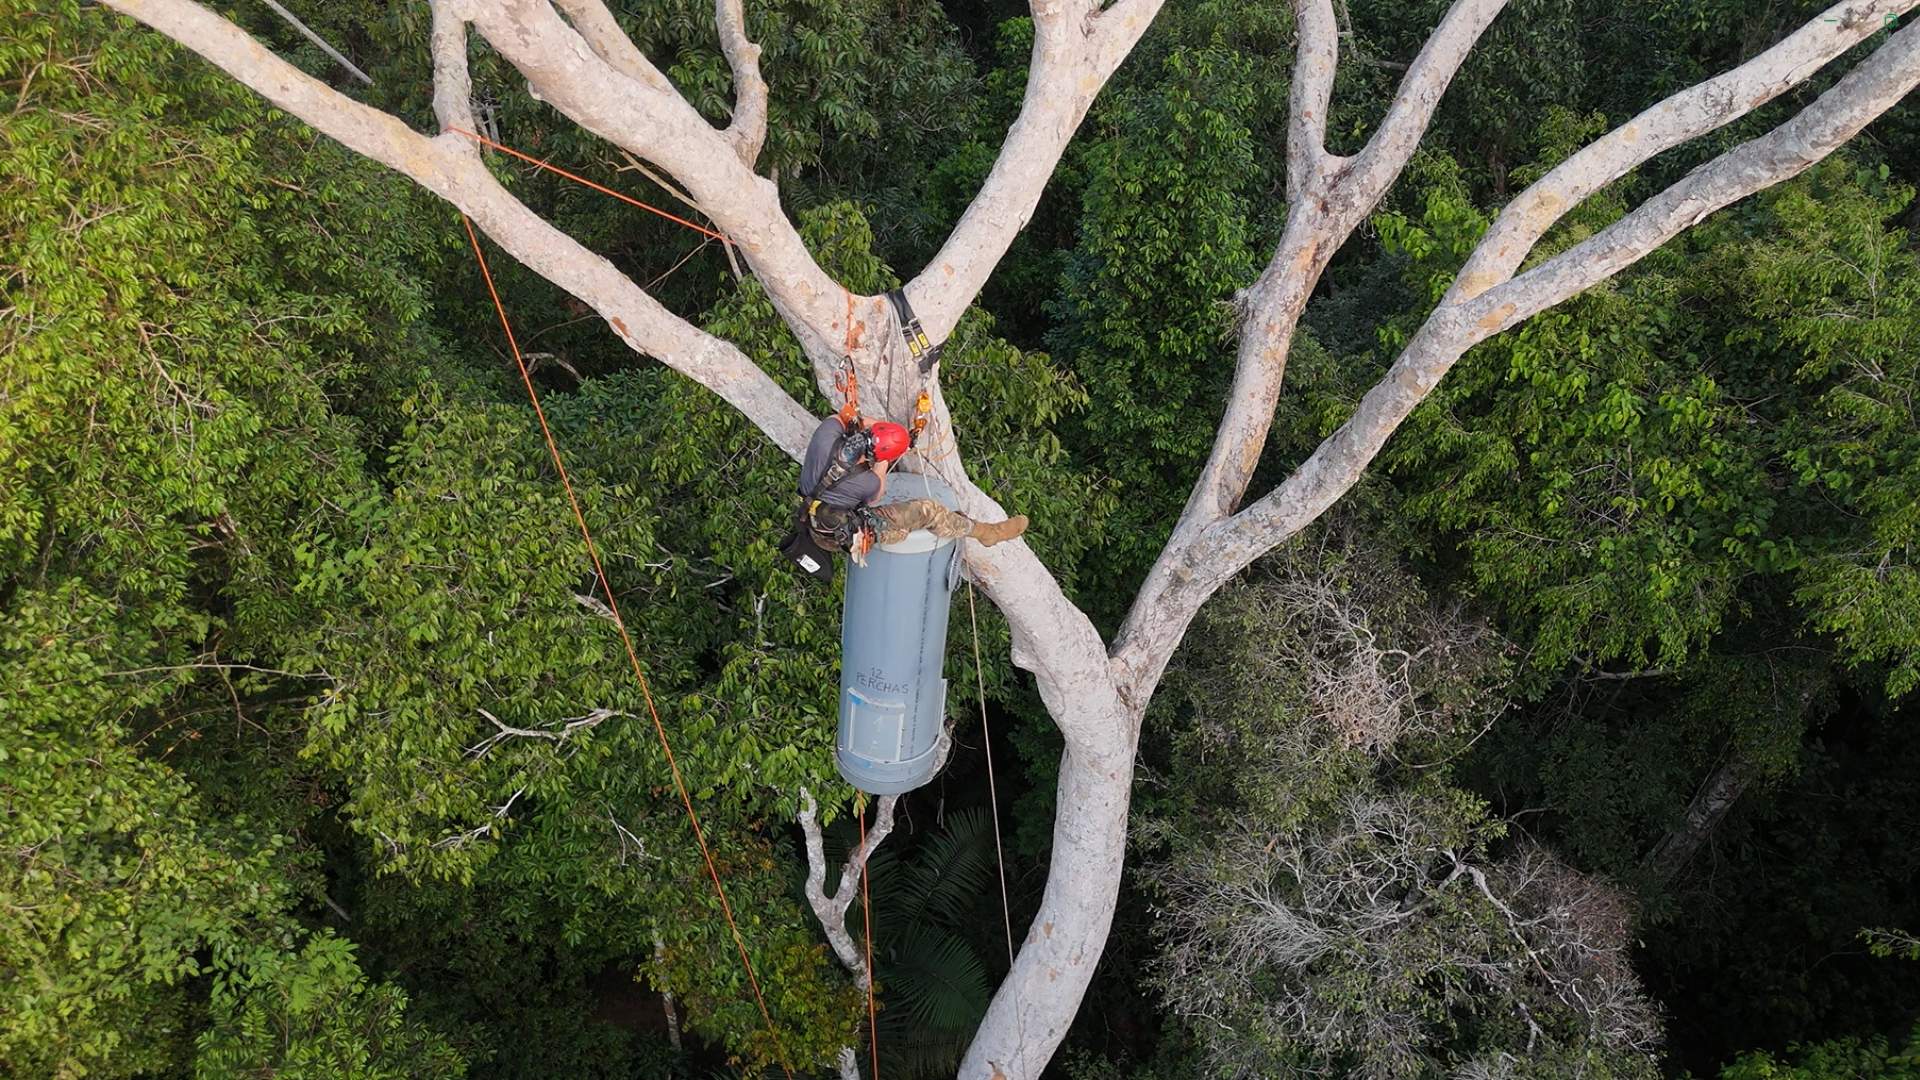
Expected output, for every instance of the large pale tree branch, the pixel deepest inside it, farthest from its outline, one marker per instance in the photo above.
(1380, 162)
(452, 83)
(1861, 96)
(602, 33)
(1683, 116)
(661, 126)
(1327, 199)
(1316, 58)
(1076, 48)
(748, 130)
(1456, 325)
(446, 166)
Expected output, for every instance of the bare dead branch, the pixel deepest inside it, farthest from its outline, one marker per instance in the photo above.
(458, 840)
(319, 41)
(566, 729)
(626, 838)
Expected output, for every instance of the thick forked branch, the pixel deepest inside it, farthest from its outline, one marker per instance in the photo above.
(657, 124)
(1327, 198)
(1076, 48)
(446, 166)
(748, 130)
(1275, 303)
(1862, 95)
(601, 31)
(1872, 88)
(831, 909)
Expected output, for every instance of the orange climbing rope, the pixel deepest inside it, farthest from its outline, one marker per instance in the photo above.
(866, 911)
(558, 171)
(633, 657)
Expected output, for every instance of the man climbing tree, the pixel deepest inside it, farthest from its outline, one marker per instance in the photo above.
(843, 478)
(575, 58)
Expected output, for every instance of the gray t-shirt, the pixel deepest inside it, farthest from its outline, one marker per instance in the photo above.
(855, 489)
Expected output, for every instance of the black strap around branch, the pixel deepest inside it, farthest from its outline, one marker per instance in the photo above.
(924, 351)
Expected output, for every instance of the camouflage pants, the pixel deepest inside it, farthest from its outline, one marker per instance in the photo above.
(898, 519)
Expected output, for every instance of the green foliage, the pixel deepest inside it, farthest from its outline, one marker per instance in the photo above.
(310, 1015)
(1164, 242)
(1886, 943)
(114, 881)
(1837, 1059)
(174, 329)
(1833, 289)
(124, 890)
(928, 947)
(1589, 467)
(1616, 470)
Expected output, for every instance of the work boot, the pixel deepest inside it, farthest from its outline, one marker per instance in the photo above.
(993, 533)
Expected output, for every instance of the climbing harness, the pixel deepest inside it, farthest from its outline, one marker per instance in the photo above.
(626, 638)
(834, 528)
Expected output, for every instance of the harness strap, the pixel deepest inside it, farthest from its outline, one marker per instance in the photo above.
(840, 529)
(919, 346)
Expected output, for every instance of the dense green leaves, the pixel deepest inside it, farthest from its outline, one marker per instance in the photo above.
(320, 757)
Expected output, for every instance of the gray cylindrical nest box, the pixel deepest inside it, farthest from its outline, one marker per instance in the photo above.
(893, 649)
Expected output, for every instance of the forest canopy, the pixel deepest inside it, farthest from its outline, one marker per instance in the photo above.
(1568, 740)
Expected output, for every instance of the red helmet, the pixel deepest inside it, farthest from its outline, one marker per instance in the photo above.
(889, 440)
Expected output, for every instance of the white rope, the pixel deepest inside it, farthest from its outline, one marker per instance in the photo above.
(316, 39)
(993, 793)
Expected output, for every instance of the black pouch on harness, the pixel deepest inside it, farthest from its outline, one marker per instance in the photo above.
(806, 552)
